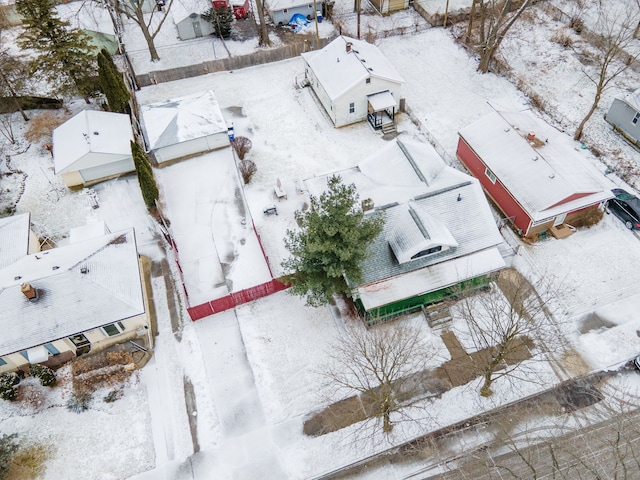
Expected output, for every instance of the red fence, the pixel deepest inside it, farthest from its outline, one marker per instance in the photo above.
(236, 298)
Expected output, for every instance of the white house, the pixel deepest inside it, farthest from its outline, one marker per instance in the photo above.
(281, 11)
(184, 127)
(439, 235)
(70, 300)
(92, 18)
(93, 146)
(624, 115)
(354, 81)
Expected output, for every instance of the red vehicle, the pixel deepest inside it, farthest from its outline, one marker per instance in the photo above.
(240, 7)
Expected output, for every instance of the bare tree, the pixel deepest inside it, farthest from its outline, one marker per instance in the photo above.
(263, 32)
(615, 46)
(495, 18)
(383, 366)
(241, 145)
(6, 128)
(502, 325)
(149, 26)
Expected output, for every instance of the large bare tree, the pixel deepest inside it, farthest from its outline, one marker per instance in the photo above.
(615, 52)
(489, 22)
(503, 324)
(383, 366)
(149, 23)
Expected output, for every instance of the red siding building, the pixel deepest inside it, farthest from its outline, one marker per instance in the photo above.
(531, 171)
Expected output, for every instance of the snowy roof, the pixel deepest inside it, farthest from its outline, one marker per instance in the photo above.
(80, 287)
(338, 70)
(546, 175)
(416, 231)
(430, 278)
(410, 174)
(633, 99)
(92, 16)
(181, 9)
(14, 238)
(91, 138)
(276, 5)
(181, 119)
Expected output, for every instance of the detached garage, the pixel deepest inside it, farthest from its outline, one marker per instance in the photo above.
(93, 146)
(184, 127)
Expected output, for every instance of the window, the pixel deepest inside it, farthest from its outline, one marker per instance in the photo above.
(490, 175)
(24, 354)
(428, 251)
(635, 118)
(285, 10)
(51, 349)
(368, 80)
(113, 329)
(352, 107)
(2, 362)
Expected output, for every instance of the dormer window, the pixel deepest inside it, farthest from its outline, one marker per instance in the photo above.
(368, 80)
(428, 251)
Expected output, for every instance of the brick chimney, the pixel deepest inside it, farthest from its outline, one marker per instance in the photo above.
(348, 46)
(28, 291)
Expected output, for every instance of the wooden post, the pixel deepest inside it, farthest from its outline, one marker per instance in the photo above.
(446, 14)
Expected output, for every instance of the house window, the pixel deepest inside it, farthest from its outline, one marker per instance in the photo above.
(635, 118)
(2, 362)
(352, 107)
(285, 10)
(113, 329)
(428, 251)
(368, 80)
(24, 354)
(51, 349)
(490, 175)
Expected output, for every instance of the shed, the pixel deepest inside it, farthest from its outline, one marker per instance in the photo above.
(92, 18)
(386, 7)
(354, 81)
(93, 146)
(533, 173)
(439, 235)
(189, 20)
(184, 127)
(70, 300)
(624, 115)
(281, 11)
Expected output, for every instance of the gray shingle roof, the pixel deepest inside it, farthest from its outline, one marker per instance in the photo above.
(14, 235)
(80, 286)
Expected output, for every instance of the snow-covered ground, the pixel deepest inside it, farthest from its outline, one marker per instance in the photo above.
(255, 372)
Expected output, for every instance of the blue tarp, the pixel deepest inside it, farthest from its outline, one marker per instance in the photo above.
(298, 22)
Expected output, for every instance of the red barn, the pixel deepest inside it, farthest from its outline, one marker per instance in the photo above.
(531, 171)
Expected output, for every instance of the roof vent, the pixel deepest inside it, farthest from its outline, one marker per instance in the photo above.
(348, 46)
(553, 175)
(459, 197)
(17, 277)
(55, 267)
(96, 133)
(84, 270)
(535, 159)
(28, 291)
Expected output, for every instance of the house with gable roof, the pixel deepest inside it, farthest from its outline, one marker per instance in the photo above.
(93, 146)
(439, 234)
(533, 173)
(281, 11)
(70, 300)
(624, 115)
(183, 127)
(354, 81)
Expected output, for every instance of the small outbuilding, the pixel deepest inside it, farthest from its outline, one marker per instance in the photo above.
(354, 81)
(93, 146)
(439, 235)
(184, 127)
(281, 11)
(533, 173)
(386, 7)
(194, 25)
(624, 115)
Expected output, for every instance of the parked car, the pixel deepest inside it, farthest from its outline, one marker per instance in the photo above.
(626, 207)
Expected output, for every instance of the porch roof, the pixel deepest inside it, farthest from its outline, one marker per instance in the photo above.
(381, 101)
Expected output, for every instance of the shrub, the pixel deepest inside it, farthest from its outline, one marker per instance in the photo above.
(247, 170)
(43, 373)
(7, 386)
(576, 24)
(241, 145)
(29, 462)
(79, 402)
(42, 126)
(563, 38)
(8, 448)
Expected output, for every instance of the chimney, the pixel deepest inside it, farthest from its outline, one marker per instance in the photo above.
(348, 47)
(531, 136)
(28, 291)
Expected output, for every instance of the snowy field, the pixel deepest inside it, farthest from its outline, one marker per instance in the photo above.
(255, 372)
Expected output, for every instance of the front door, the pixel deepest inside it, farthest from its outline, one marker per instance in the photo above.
(559, 220)
(197, 29)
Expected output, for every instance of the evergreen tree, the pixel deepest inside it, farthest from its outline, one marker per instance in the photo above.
(64, 54)
(145, 175)
(221, 18)
(112, 83)
(330, 245)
